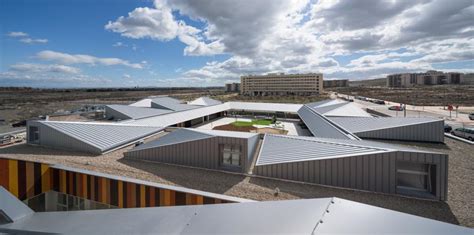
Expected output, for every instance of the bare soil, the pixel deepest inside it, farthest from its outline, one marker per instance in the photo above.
(441, 95)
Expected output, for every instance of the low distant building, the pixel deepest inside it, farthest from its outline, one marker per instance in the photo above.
(431, 77)
(336, 83)
(282, 84)
(232, 87)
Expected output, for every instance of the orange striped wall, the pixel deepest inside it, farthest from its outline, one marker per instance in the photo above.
(26, 179)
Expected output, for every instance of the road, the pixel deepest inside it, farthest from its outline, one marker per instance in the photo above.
(454, 119)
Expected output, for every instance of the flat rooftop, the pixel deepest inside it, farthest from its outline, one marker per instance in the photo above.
(457, 210)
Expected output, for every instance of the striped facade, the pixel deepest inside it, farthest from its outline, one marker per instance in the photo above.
(26, 179)
(203, 153)
(371, 172)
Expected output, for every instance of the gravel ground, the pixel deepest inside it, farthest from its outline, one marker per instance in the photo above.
(459, 208)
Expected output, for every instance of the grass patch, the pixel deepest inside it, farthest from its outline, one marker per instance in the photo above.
(263, 122)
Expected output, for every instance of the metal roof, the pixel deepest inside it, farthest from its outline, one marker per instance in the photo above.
(307, 216)
(360, 124)
(12, 207)
(321, 126)
(187, 134)
(138, 112)
(142, 103)
(103, 136)
(283, 149)
(171, 104)
(179, 117)
(265, 107)
(338, 108)
(204, 101)
(235, 134)
(175, 137)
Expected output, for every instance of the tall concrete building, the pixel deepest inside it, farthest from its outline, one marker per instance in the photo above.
(282, 84)
(336, 83)
(431, 77)
(232, 87)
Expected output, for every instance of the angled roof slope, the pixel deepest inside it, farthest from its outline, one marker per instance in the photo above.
(338, 108)
(235, 134)
(264, 107)
(135, 112)
(321, 126)
(185, 135)
(204, 101)
(307, 216)
(102, 136)
(142, 103)
(170, 103)
(357, 124)
(283, 149)
(179, 117)
(175, 137)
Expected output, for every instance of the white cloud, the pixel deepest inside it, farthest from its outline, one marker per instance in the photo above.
(306, 36)
(17, 34)
(33, 40)
(126, 76)
(65, 58)
(42, 68)
(159, 24)
(53, 80)
(25, 39)
(119, 44)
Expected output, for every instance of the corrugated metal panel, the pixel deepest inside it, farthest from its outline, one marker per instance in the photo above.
(265, 107)
(142, 103)
(178, 136)
(374, 172)
(355, 124)
(180, 117)
(320, 126)
(135, 112)
(100, 135)
(197, 152)
(204, 101)
(417, 129)
(307, 216)
(281, 149)
(171, 104)
(234, 134)
(338, 108)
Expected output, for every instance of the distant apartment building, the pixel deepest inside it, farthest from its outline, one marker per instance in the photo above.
(431, 77)
(336, 83)
(232, 87)
(282, 84)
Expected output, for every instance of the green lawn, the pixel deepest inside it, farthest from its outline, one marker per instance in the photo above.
(263, 122)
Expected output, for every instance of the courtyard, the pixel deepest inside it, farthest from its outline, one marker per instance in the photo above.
(288, 127)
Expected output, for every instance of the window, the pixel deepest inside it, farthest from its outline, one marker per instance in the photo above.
(33, 134)
(231, 155)
(416, 177)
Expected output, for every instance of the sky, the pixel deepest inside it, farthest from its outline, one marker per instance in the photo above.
(125, 43)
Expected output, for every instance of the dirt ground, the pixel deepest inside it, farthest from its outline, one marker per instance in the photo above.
(457, 210)
(18, 104)
(462, 95)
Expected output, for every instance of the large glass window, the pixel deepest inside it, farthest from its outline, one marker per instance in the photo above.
(231, 155)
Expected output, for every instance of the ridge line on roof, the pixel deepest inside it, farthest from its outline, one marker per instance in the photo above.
(317, 139)
(339, 128)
